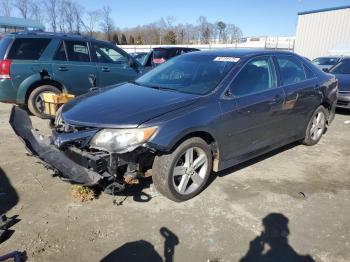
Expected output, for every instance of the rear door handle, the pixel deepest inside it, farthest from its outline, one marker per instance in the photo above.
(105, 69)
(62, 68)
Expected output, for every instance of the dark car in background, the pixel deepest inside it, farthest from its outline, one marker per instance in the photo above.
(160, 55)
(342, 73)
(139, 56)
(326, 62)
(33, 63)
(197, 113)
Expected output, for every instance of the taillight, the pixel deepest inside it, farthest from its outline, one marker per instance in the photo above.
(5, 69)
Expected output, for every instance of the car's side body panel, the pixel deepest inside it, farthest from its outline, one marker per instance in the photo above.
(70, 76)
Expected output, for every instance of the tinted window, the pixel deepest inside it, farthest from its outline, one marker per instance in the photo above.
(77, 51)
(341, 68)
(61, 53)
(309, 73)
(325, 61)
(106, 54)
(291, 70)
(162, 55)
(188, 74)
(4, 43)
(28, 48)
(256, 76)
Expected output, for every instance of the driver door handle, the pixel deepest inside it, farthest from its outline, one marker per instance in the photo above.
(105, 69)
(62, 68)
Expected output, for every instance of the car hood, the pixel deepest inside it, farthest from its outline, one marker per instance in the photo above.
(344, 82)
(123, 106)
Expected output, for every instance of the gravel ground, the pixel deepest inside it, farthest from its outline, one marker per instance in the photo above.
(294, 200)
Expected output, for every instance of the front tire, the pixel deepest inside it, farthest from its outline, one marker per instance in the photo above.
(183, 173)
(316, 127)
(35, 100)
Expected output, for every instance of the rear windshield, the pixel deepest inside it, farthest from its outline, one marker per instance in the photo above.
(325, 61)
(163, 53)
(4, 43)
(28, 48)
(341, 68)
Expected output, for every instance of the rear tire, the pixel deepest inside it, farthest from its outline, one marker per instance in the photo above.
(183, 173)
(316, 127)
(35, 104)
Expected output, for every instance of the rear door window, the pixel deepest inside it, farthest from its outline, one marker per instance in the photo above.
(309, 73)
(257, 75)
(291, 70)
(4, 43)
(28, 48)
(61, 53)
(77, 51)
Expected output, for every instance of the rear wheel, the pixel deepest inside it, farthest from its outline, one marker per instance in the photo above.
(183, 173)
(316, 127)
(36, 99)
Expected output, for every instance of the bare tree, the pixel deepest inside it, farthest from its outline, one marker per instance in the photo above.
(52, 9)
(6, 7)
(234, 33)
(107, 23)
(206, 30)
(79, 14)
(221, 26)
(92, 17)
(22, 6)
(36, 12)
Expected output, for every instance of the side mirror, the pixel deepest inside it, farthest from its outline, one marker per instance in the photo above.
(132, 63)
(325, 70)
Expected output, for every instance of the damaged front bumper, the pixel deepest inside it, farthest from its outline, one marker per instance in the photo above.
(44, 149)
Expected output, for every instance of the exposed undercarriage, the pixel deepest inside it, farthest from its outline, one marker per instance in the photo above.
(67, 152)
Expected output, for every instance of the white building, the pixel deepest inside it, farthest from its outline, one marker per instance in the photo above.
(322, 32)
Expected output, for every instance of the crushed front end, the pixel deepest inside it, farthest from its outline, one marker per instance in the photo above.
(68, 152)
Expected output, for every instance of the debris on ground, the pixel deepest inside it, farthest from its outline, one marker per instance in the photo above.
(83, 193)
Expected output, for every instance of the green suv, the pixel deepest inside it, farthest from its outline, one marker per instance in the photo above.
(33, 63)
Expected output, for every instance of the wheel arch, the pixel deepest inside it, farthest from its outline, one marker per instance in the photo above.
(43, 82)
(207, 137)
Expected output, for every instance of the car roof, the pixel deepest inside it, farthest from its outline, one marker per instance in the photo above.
(39, 34)
(175, 47)
(330, 56)
(238, 52)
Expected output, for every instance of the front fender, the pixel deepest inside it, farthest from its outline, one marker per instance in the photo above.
(174, 126)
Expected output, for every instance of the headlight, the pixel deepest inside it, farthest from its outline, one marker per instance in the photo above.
(121, 140)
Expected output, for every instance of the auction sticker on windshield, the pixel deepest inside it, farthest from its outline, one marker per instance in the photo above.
(227, 59)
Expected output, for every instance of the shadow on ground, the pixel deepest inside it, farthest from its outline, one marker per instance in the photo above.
(8, 199)
(272, 244)
(8, 195)
(342, 111)
(142, 250)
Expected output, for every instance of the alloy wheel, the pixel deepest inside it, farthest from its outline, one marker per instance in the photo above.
(190, 170)
(318, 125)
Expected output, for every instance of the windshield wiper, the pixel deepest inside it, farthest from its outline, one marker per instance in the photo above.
(160, 87)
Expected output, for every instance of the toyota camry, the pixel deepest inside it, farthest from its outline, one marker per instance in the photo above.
(198, 113)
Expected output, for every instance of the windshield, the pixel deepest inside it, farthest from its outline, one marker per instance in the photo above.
(325, 61)
(341, 68)
(195, 74)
